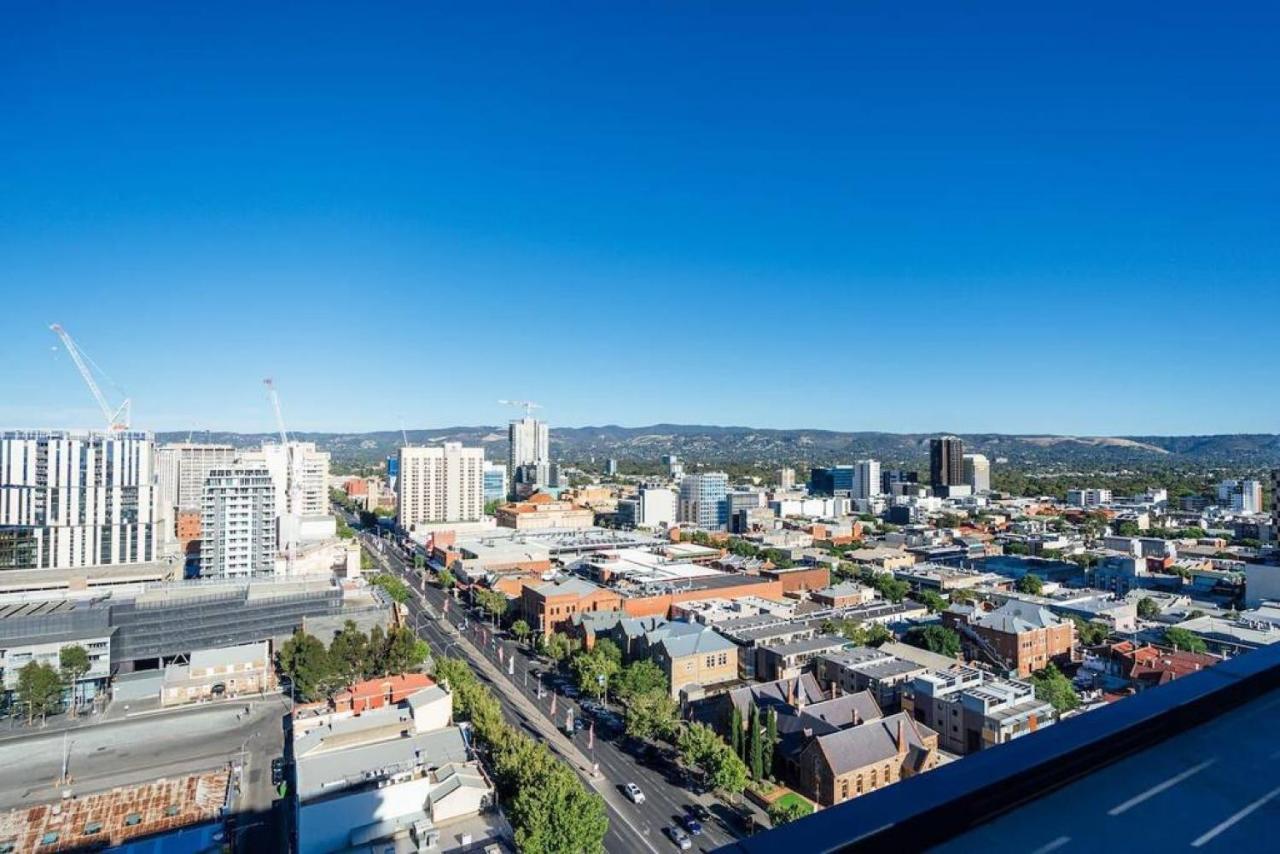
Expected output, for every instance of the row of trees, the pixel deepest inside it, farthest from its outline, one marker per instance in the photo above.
(317, 672)
(755, 740)
(547, 804)
(41, 688)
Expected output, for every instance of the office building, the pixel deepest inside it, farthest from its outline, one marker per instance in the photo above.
(1242, 496)
(675, 468)
(1275, 501)
(977, 473)
(704, 500)
(238, 523)
(495, 482)
(866, 479)
(610, 468)
(529, 443)
(786, 479)
(946, 462)
(891, 480)
(651, 508)
(831, 480)
(442, 484)
(71, 499)
(1088, 497)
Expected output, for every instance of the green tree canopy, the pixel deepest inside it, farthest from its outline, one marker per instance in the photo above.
(939, 639)
(39, 689)
(404, 652)
(394, 587)
(349, 654)
(785, 810)
(305, 661)
(639, 677)
(1030, 583)
(520, 630)
(1184, 640)
(650, 715)
(1054, 688)
(1147, 608)
(594, 670)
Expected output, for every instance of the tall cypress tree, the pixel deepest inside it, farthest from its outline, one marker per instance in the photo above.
(770, 741)
(757, 757)
(735, 723)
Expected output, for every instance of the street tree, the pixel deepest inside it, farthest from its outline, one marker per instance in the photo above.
(520, 630)
(349, 653)
(639, 677)
(396, 589)
(557, 814)
(405, 652)
(651, 715)
(39, 689)
(593, 671)
(305, 661)
(74, 663)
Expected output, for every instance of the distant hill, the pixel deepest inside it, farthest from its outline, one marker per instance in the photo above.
(712, 444)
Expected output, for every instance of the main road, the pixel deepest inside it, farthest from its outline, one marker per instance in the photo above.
(632, 827)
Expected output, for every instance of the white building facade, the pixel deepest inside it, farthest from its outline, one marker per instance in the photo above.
(71, 499)
(443, 484)
(977, 472)
(238, 522)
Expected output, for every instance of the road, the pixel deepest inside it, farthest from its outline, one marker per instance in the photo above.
(632, 827)
(1213, 788)
(136, 750)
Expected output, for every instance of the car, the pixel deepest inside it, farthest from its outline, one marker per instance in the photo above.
(634, 794)
(691, 824)
(277, 771)
(680, 838)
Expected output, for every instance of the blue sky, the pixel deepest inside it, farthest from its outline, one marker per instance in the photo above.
(849, 215)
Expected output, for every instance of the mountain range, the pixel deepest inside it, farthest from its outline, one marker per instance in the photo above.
(713, 444)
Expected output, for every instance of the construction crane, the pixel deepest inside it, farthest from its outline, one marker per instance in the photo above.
(117, 420)
(527, 405)
(294, 488)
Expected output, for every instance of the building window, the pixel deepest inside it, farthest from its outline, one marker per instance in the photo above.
(844, 790)
(873, 777)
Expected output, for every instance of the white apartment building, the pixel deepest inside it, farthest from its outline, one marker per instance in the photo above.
(71, 499)
(655, 507)
(238, 522)
(977, 472)
(786, 479)
(442, 484)
(313, 499)
(866, 479)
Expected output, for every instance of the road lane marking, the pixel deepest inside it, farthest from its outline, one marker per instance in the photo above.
(1240, 816)
(1157, 789)
(1052, 846)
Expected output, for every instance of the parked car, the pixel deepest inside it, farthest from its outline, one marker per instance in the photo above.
(277, 771)
(634, 794)
(680, 838)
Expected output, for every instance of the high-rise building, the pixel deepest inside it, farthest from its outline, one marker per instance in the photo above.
(866, 479)
(946, 461)
(1242, 496)
(786, 479)
(831, 480)
(441, 484)
(238, 522)
(495, 482)
(71, 499)
(675, 468)
(610, 467)
(530, 443)
(704, 500)
(313, 476)
(890, 478)
(977, 472)
(1275, 500)
(181, 468)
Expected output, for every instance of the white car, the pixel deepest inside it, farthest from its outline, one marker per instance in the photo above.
(634, 793)
(680, 838)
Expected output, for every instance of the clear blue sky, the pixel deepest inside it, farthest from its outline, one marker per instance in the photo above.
(855, 216)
